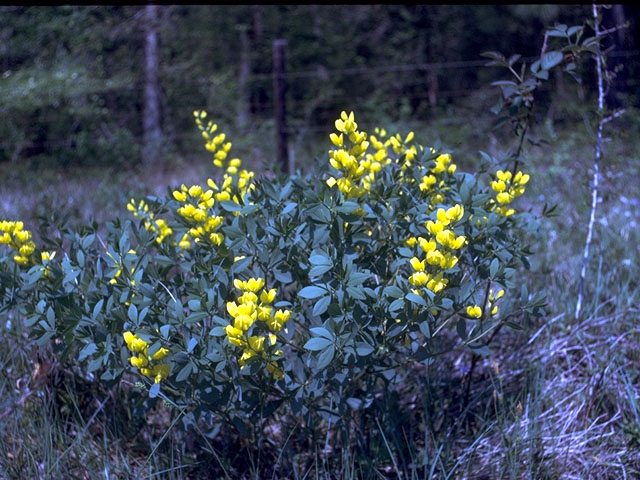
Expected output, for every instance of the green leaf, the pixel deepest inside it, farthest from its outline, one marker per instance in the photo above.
(363, 349)
(393, 291)
(230, 206)
(164, 330)
(325, 357)
(397, 304)
(312, 292)
(154, 391)
(317, 343)
(288, 208)
(86, 351)
(493, 268)
(347, 207)
(356, 293)
(195, 317)
(132, 313)
(319, 270)
(184, 372)
(358, 278)
(424, 328)
(321, 305)
(412, 297)
(322, 332)
(550, 60)
(318, 259)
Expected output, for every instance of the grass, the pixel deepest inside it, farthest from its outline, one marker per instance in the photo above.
(557, 400)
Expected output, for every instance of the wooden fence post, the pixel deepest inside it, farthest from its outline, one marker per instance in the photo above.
(279, 90)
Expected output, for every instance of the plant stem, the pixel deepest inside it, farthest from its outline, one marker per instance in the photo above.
(596, 169)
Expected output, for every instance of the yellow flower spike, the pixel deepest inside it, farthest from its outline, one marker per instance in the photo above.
(474, 311)
(409, 137)
(500, 294)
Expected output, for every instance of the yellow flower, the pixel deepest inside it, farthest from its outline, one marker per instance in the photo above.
(139, 361)
(256, 343)
(474, 311)
(417, 265)
(268, 297)
(418, 279)
(504, 198)
(160, 354)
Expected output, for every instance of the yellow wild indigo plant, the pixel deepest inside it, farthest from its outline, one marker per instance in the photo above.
(243, 294)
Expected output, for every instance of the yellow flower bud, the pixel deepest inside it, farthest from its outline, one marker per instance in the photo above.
(474, 311)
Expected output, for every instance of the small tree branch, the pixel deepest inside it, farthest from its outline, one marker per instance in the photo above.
(596, 162)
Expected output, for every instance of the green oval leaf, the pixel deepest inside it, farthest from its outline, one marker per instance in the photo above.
(317, 343)
(311, 292)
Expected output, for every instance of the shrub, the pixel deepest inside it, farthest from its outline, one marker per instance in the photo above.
(303, 293)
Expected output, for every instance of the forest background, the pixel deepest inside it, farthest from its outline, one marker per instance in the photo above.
(96, 107)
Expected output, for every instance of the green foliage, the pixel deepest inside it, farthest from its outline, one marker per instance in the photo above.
(374, 265)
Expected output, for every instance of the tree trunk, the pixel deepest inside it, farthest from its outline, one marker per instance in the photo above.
(279, 91)
(244, 98)
(151, 123)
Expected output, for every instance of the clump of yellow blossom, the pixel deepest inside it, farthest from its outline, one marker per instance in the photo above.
(196, 210)
(475, 311)
(157, 226)
(439, 250)
(434, 181)
(18, 239)
(507, 188)
(149, 365)
(255, 305)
